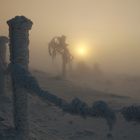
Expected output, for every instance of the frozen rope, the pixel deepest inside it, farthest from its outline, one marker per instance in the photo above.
(131, 113)
(25, 80)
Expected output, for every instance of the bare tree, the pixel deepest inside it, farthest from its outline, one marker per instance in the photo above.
(58, 46)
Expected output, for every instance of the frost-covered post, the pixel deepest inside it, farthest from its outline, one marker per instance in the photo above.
(3, 41)
(19, 54)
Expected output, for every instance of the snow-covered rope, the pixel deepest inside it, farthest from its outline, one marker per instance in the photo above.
(76, 107)
(25, 80)
(131, 113)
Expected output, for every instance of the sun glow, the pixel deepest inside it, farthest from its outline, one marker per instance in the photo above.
(81, 50)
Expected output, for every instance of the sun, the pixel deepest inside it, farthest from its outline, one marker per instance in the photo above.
(81, 50)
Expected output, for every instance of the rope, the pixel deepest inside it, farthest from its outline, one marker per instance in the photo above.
(101, 109)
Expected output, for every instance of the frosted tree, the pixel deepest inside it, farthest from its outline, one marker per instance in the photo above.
(3, 42)
(58, 46)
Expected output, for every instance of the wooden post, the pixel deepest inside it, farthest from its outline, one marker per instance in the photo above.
(3, 41)
(19, 54)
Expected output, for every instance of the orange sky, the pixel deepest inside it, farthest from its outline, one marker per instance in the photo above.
(111, 27)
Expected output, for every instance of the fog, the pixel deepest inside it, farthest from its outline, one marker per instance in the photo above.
(83, 80)
(111, 29)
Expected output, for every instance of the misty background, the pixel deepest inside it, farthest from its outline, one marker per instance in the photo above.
(111, 28)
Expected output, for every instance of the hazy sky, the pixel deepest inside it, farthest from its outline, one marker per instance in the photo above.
(110, 27)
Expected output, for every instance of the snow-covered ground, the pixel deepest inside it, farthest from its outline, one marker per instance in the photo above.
(47, 122)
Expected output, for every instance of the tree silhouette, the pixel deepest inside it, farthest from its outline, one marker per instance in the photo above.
(58, 46)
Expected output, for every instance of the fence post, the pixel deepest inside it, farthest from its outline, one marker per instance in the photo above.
(19, 54)
(3, 41)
